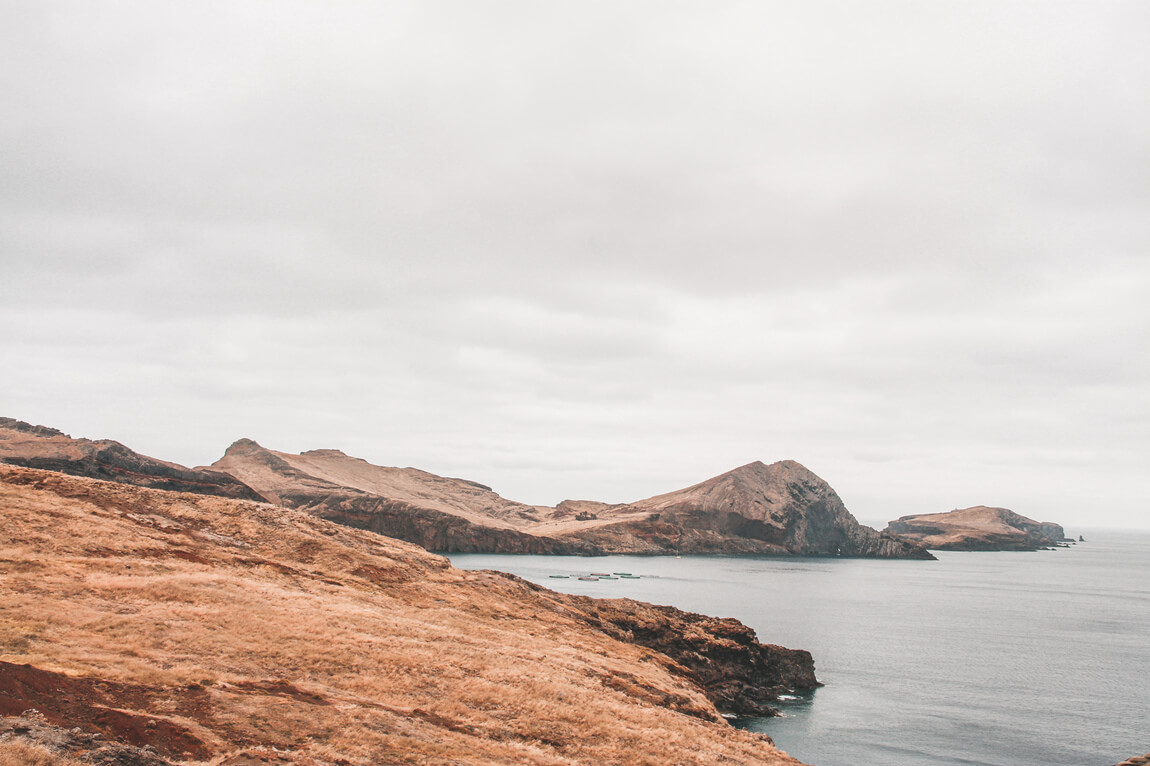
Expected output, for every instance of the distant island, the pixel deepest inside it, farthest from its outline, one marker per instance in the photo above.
(978, 528)
(777, 509)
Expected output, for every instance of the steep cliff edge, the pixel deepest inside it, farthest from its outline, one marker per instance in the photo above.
(42, 447)
(213, 630)
(740, 675)
(782, 508)
(978, 528)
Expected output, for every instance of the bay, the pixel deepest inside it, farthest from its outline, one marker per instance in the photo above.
(997, 659)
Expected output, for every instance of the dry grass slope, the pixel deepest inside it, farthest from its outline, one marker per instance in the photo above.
(206, 627)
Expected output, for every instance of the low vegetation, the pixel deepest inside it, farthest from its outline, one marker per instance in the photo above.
(214, 631)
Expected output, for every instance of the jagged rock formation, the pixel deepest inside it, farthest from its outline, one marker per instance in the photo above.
(781, 508)
(979, 528)
(236, 632)
(42, 447)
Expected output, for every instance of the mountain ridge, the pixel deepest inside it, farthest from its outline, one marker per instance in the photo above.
(35, 446)
(778, 509)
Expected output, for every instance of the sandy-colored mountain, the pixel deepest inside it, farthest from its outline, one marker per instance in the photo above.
(150, 627)
(781, 508)
(979, 528)
(42, 447)
(438, 513)
(778, 509)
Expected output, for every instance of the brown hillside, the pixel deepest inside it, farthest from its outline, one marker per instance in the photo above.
(41, 447)
(980, 527)
(437, 513)
(778, 509)
(203, 628)
(781, 508)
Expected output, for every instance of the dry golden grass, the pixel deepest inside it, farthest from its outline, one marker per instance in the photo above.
(16, 753)
(244, 624)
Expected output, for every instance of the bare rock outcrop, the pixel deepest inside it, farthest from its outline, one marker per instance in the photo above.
(978, 528)
(740, 675)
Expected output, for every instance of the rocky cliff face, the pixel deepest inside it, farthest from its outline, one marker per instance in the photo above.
(979, 528)
(781, 508)
(741, 676)
(42, 447)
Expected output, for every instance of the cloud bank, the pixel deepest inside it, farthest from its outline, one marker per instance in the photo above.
(594, 249)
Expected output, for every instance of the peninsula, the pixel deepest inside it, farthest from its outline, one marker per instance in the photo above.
(145, 627)
(777, 509)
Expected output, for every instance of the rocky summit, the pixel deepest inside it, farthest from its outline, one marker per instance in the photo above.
(781, 508)
(978, 528)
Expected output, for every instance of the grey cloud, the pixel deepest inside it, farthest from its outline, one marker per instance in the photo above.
(593, 249)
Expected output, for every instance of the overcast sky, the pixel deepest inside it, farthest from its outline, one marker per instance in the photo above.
(590, 249)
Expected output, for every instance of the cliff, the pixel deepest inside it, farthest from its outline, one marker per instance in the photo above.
(782, 508)
(740, 675)
(202, 629)
(979, 528)
(42, 447)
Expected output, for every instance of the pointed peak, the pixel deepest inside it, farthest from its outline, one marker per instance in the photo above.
(759, 468)
(245, 445)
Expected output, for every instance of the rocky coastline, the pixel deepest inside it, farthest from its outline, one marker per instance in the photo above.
(228, 571)
(778, 509)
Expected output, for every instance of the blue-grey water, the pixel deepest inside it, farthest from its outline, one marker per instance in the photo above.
(996, 659)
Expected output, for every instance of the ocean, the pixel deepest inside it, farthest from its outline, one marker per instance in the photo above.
(995, 659)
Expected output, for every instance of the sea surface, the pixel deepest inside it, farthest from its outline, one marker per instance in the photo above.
(996, 659)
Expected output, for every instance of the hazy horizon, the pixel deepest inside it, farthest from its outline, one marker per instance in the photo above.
(594, 250)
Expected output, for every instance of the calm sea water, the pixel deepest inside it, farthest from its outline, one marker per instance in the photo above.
(996, 659)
